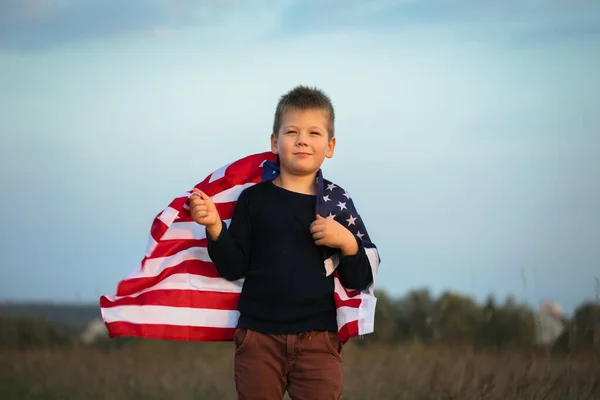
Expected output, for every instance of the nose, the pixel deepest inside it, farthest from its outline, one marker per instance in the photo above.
(302, 138)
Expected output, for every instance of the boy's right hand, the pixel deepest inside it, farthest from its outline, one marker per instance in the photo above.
(204, 212)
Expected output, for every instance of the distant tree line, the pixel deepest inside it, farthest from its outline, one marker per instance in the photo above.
(451, 319)
(454, 319)
(24, 332)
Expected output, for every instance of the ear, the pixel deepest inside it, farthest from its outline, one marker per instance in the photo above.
(274, 149)
(330, 148)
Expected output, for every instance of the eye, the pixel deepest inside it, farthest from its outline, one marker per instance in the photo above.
(291, 132)
(316, 133)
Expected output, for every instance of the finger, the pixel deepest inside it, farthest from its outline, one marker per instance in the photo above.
(195, 198)
(196, 203)
(317, 228)
(200, 214)
(199, 194)
(319, 217)
(318, 235)
(203, 195)
(319, 222)
(200, 208)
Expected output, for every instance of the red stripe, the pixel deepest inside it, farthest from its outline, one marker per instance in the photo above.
(240, 168)
(226, 209)
(178, 298)
(349, 330)
(177, 203)
(353, 303)
(197, 299)
(228, 182)
(195, 333)
(171, 247)
(170, 332)
(158, 229)
(237, 174)
(349, 293)
(131, 286)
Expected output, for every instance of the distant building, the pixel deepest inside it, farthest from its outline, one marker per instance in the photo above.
(550, 324)
(95, 330)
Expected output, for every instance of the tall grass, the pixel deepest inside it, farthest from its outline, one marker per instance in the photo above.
(165, 370)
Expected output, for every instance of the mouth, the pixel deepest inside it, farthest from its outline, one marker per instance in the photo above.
(302, 154)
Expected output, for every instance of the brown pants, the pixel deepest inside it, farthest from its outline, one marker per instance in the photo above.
(308, 365)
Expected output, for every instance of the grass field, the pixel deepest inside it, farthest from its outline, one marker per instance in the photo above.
(164, 370)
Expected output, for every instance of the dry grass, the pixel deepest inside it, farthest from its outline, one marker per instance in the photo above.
(161, 370)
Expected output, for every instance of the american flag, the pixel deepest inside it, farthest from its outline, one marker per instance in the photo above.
(177, 293)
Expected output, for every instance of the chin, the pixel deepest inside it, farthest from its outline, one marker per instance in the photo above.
(305, 171)
(302, 169)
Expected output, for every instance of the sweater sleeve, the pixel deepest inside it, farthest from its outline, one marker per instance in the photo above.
(355, 270)
(230, 252)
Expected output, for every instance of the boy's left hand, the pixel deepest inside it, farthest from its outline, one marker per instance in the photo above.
(329, 232)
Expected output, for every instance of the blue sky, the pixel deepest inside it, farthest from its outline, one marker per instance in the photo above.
(468, 132)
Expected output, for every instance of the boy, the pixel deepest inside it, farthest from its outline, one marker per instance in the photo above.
(286, 337)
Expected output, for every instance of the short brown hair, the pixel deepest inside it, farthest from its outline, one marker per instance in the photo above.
(304, 98)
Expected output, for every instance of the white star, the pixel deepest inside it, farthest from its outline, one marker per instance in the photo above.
(331, 186)
(330, 216)
(360, 235)
(347, 195)
(341, 205)
(351, 220)
(326, 198)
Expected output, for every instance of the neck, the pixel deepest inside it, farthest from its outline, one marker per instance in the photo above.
(305, 184)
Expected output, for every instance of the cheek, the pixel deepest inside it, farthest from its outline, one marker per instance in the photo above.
(286, 145)
(323, 148)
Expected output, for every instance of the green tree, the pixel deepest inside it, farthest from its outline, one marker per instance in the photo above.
(29, 332)
(386, 328)
(457, 319)
(586, 323)
(414, 312)
(510, 325)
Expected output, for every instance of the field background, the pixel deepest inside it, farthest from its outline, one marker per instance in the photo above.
(163, 370)
(424, 348)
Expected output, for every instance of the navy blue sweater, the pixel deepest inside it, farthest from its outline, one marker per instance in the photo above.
(269, 243)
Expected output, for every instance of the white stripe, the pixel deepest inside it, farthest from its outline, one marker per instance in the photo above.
(192, 230)
(187, 230)
(366, 312)
(190, 282)
(182, 316)
(345, 315)
(231, 194)
(154, 266)
(168, 215)
(373, 256)
(339, 289)
(218, 174)
(150, 246)
(331, 264)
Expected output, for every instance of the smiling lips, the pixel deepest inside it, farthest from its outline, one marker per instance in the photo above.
(302, 154)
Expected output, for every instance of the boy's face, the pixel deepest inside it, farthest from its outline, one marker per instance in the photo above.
(303, 142)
